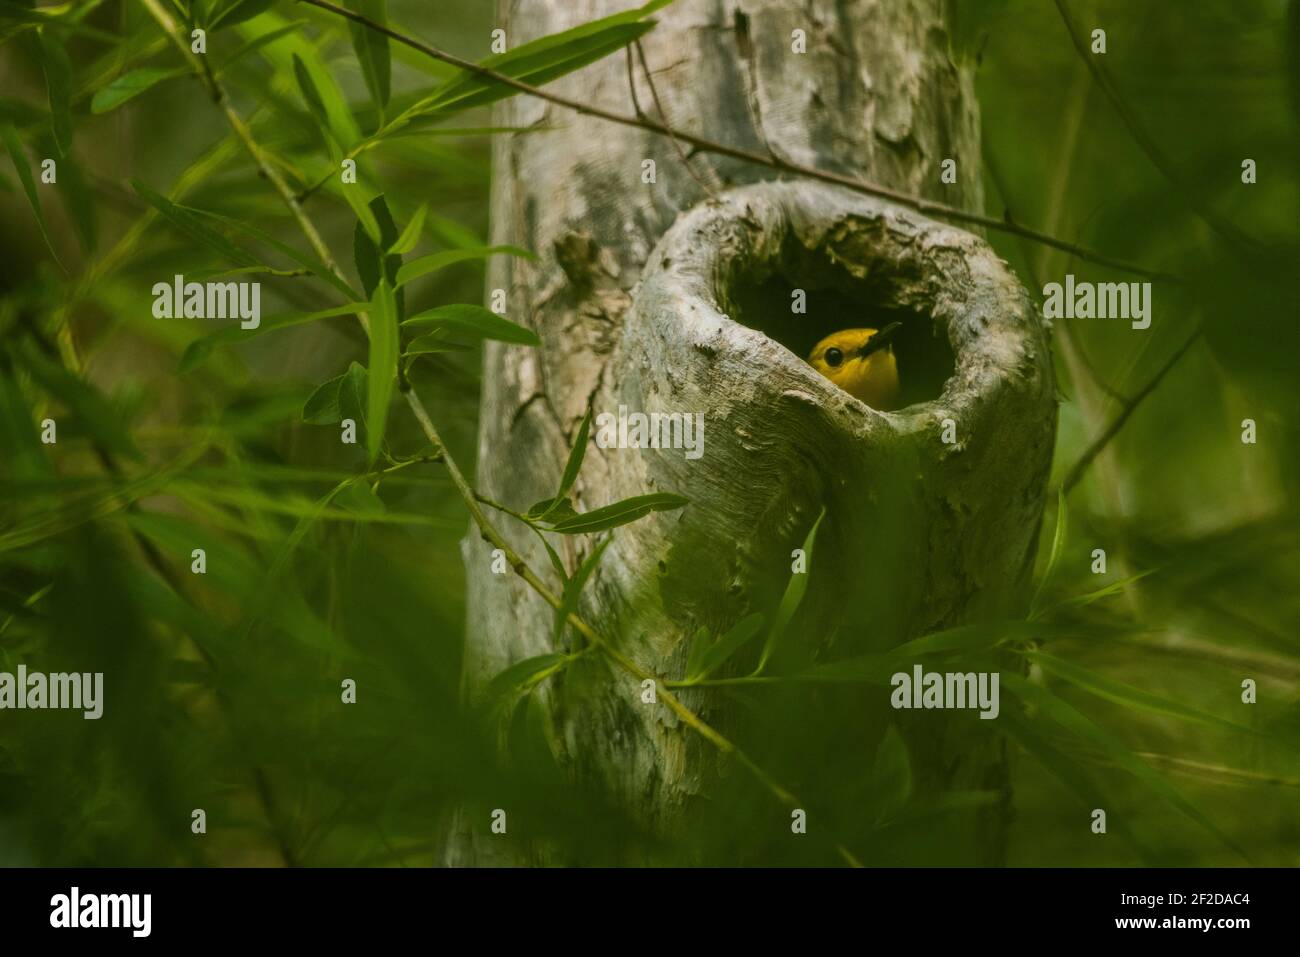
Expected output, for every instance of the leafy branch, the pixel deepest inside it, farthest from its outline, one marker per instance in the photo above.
(700, 144)
(569, 524)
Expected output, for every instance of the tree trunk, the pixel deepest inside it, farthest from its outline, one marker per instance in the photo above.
(659, 298)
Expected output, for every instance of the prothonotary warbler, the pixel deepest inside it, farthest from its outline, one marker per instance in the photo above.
(861, 362)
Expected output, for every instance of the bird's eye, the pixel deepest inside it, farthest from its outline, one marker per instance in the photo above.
(834, 357)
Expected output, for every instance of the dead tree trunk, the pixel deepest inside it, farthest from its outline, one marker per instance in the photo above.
(656, 297)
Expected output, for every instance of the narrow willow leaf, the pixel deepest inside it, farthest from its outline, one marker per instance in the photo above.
(315, 266)
(1128, 696)
(58, 85)
(371, 48)
(383, 364)
(367, 250)
(236, 11)
(427, 264)
(574, 586)
(23, 13)
(130, 85)
(1058, 545)
(1105, 591)
(699, 647)
(539, 61)
(329, 404)
(199, 350)
(529, 64)
(522, 677)
(717, 654)
(255, 44)
(553, 556)
(476, 322)
(300, 45)
(433, 344)
(891, 776)
(310, 95)
(1076, 783)
(792, 598)
(19, 157)
(620, 513)
(866, 669)
(411, 234)
(93, 409)
(194, 227)
(576, 456)
(1064, 714)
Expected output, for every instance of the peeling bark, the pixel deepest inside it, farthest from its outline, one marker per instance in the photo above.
(645, 297)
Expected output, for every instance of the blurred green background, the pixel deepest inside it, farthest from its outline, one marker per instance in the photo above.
(223, 689)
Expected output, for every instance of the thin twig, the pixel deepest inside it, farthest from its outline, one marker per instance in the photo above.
(1093, 450)
(672, 136)
(1147, 143)
(701, 145)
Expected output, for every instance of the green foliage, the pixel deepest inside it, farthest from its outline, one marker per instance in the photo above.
(325, 562)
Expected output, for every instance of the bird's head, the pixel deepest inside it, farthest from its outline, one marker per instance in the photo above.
(861, 362)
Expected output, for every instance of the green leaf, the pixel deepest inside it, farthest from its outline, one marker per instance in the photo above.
(1128, 696)
(58, 84)
(573, 587)
(371, 264)
(371, 48)
(551, 509)
(792, 598)
(236, 11)
(716, 654)
(255, 44)
(620, 513)
(576, 456)
(476, 322)
(521, 677)
(193, 226)
(310, 95)
(199, 350)
(427, 264)
(1077, 784)
(536, 63)
(315, 266)
(130, 85)
(433, 344)
(1108, 590)
(411, 234)
(383, 364)
(1064, 714)
(891, 776)
(1058, 545)
(699, 647)
(301, 45)
(19, 157)
(93, 410)
(338, 398)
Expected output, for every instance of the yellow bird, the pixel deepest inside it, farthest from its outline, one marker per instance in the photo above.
(861, 362)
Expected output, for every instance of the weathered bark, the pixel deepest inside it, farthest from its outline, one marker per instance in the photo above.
(634, 310)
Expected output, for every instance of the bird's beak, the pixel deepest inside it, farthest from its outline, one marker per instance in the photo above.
(880, 340)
